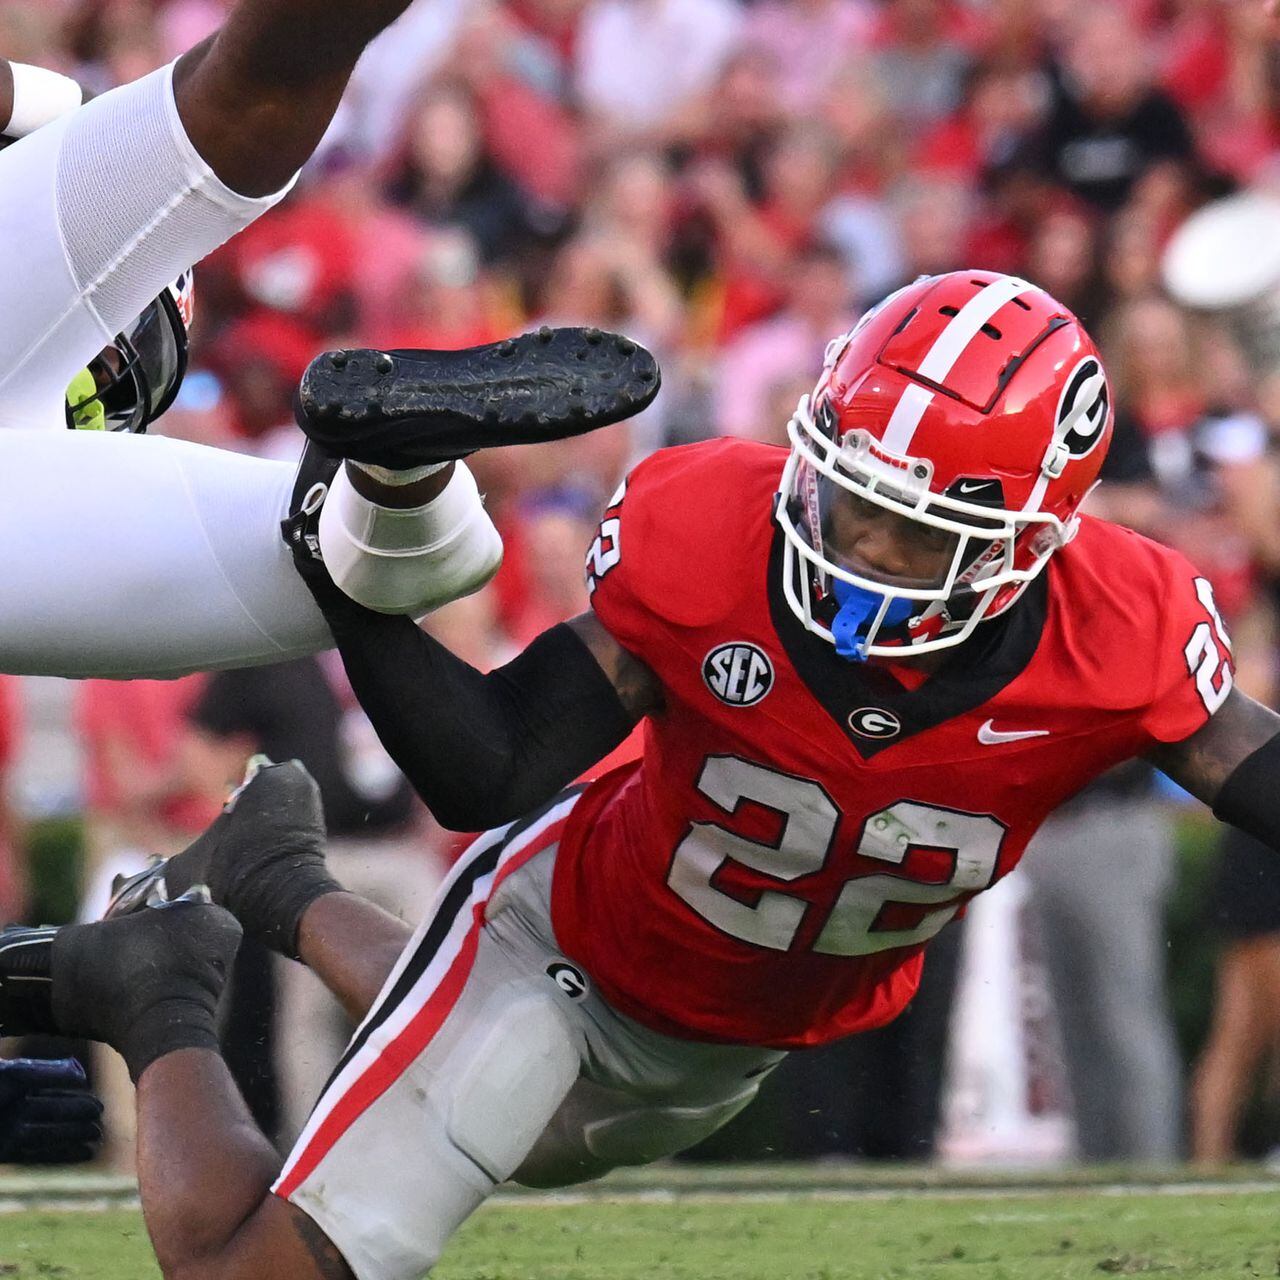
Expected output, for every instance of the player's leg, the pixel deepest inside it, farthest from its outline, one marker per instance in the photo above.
(149, 986)
(1100, 875)
(131, 556)
(467, 1049)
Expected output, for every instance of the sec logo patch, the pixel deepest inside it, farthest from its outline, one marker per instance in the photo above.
(874, 722)
(739, 674)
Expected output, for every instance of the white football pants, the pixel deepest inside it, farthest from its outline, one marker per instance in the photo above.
(488, 1055)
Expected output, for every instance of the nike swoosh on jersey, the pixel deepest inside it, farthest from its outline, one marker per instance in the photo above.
(990, 736)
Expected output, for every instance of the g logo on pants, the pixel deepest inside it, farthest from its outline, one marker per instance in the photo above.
(572, 981)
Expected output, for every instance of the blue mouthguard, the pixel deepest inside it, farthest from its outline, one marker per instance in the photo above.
(857, 607)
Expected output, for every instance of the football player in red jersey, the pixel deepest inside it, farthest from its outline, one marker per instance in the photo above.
(868, 667)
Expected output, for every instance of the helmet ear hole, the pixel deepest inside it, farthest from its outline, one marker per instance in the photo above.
(130, 383)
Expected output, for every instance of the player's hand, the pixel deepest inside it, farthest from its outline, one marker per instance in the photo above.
(47, 1113)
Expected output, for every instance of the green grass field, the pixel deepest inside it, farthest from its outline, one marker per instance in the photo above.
(759, 1229)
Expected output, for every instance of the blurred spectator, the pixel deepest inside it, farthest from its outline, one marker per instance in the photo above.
(1245, 1030)
(1100, 871)
(1108, 124)
(1062, 257)
(924, 49)
(754, 242)
(446, 178)
(390, 75)
(784, 347)
(741, 117)
(444, 302)
(545, 545)
(641, 63)
(936, 221)
(810, 40)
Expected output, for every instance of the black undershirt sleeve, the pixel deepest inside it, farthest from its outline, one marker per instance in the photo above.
(480, 750)
(1250, 799)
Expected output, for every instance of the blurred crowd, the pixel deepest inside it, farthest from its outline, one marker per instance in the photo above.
(731, 183)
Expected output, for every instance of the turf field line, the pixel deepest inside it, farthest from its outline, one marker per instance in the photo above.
(96, 1193)
(847, 1195)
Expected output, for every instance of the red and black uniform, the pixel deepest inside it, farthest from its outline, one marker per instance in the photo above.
(799, 825)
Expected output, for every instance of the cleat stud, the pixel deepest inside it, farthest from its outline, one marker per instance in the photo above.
(593, 336)
(625, 346)
(507, 348)
(645, 375)
(338, 359)
(577, 389)
(383, 363)
(371, 408)
(544, 335)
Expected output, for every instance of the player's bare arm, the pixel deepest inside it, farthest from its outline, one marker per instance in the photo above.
(638, 689)
(6, 94)
(1231, 763)
(257, 96)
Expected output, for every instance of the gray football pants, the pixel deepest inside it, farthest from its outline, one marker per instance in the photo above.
(1100, 873)
(489, 1056)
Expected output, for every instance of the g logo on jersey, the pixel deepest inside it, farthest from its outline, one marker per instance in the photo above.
(874, 722)
(739, 674)
(1082, 410)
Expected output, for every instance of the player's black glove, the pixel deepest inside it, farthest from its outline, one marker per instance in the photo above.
(47, 1113)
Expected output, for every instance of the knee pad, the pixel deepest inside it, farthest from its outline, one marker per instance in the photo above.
(511, 1076)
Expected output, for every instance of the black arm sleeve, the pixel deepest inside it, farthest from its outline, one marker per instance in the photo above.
(1250, 799)
(481, 750)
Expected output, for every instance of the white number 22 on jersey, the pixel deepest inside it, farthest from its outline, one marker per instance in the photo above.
(809, 823)
(1211, 671)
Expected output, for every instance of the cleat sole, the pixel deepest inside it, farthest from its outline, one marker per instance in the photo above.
(410, 408)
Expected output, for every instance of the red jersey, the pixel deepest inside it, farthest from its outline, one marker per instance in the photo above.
(800, 826)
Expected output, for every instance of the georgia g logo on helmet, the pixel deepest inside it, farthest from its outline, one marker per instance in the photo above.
(1082, 410)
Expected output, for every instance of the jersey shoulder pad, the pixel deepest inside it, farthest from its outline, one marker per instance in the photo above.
(1148, 618)
(687, 533)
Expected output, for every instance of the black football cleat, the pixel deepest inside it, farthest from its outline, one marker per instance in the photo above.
(93, 981)
(262, 858)
(403, 409)
(26, 983)
(148, 983)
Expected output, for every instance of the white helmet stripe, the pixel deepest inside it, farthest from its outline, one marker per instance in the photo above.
(947, 348)
(966, 324)
(906, 417)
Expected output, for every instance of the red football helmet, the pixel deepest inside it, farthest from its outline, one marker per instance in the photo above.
(972, 405)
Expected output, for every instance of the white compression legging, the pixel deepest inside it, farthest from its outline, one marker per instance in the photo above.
(130, 556)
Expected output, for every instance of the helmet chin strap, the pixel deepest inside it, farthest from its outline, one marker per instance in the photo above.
(857, 607)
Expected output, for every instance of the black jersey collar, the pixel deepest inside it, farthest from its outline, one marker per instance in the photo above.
(852, 693)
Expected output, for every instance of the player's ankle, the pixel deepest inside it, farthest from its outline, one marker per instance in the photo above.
(272, 904)
(399, 490)
(181, 1020)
